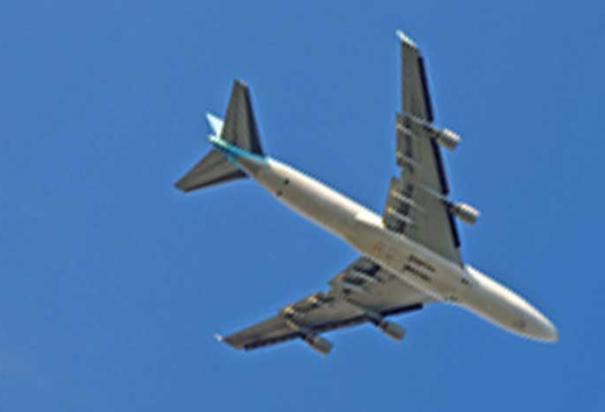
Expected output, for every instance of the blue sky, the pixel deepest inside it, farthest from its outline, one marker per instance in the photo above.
(112, 282)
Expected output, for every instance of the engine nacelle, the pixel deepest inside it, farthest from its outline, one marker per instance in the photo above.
(318, 343)
(392, 330)
(466, 212)
(444, 137)
(448, 139)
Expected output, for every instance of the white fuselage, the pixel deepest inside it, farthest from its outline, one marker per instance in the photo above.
(440, 278)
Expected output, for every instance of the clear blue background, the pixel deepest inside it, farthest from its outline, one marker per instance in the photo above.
(112, 282)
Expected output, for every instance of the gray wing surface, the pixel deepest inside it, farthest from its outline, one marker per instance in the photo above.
(416, 204)
(358, 294)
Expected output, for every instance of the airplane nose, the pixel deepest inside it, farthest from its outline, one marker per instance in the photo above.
(540, 328)
(552, 334)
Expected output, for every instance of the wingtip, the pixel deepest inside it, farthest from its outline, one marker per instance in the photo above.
(404, 38)
(225, 340)
(240, 83)
(179, 186)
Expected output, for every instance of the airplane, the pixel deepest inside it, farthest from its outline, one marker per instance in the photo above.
(409, 256)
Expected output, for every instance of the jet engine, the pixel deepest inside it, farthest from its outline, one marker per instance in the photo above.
(448, 139)
(444, 137)
(318, 343)
(465, 212)
(391, 329)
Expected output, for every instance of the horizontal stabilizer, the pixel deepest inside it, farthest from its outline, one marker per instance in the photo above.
(211, 170)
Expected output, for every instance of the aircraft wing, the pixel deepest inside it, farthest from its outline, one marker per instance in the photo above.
(417, 203)
(363, 292)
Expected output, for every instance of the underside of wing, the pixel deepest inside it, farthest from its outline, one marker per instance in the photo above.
(417, 204)
(362, 293)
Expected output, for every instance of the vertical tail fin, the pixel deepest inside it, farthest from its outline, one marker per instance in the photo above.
(240, 125)
(238, 129)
